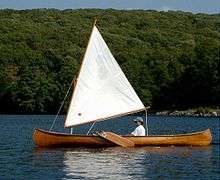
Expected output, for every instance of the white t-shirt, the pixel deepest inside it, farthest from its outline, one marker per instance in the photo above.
(139, 131)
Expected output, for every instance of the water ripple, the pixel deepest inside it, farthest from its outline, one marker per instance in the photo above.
(20, 160)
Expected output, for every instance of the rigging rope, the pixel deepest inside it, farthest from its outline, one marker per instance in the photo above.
(51, 127)
(91, 127)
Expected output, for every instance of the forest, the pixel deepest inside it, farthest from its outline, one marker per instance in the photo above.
(172, 59)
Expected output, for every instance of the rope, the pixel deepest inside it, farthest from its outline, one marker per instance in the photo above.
(51, 127)
(91, 127)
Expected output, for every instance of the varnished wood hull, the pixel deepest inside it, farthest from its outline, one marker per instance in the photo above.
(52, 139)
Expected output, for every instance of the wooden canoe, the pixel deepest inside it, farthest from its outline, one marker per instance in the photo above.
(53, 139)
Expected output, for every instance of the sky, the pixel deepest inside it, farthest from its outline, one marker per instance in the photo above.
(194, 6)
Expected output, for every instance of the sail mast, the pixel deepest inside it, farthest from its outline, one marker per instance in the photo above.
(146, 121)
(83, 59)
(76, 78)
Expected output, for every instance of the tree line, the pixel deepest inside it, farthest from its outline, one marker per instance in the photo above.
(170, 58)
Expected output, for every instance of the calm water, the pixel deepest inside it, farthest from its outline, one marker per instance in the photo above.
(19, 159)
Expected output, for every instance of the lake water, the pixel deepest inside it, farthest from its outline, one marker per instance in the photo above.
(20, 159)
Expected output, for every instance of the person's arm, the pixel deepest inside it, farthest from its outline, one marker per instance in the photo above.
(134, 133)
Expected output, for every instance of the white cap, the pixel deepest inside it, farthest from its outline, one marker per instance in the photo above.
(138, 119)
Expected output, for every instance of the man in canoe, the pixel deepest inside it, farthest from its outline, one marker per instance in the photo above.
(139, 130)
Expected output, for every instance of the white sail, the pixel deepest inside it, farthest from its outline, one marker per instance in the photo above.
(102, 90)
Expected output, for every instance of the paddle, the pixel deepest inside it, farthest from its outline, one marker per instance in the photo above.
(116, 139)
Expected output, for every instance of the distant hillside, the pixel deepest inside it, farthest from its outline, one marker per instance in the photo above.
(171, 58)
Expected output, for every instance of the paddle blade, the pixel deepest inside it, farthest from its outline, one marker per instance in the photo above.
(116, 139)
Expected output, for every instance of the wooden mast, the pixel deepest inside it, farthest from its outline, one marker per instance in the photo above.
(76, 79)
(146, 121)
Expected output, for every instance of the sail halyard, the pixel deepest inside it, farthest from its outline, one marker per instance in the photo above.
(102, 91)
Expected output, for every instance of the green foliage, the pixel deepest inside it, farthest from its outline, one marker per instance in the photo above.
(171, 58)
(203, 110)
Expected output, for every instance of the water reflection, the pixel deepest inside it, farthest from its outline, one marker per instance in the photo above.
(146, 162)
(112, 163)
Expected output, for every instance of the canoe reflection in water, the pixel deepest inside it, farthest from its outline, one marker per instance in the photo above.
(144, 162)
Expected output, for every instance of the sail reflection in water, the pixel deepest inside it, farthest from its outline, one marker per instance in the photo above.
(146, 162)
(114, 163)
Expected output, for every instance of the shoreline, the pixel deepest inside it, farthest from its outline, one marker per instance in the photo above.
(200, 112)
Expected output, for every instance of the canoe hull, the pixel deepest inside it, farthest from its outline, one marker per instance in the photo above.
(43, 138)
